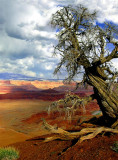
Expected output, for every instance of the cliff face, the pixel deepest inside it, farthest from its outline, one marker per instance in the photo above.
(7, 86)
(20, 82)
(46, 90)
(46, 84)
(37, 84)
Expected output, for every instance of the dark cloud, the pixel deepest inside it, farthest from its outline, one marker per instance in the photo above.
(15, 34)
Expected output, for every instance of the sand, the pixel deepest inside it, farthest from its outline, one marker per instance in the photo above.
(12, 113)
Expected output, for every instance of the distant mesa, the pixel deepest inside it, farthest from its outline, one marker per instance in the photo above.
(10, 83)
(4, 82)
(20, 86)
(47, 84)
(7, 87)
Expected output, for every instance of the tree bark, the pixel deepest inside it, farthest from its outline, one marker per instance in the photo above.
(107, 100)
(85, 133)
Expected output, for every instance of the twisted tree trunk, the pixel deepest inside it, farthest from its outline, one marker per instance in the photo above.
(107, 100)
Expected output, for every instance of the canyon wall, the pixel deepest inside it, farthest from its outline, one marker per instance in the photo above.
(7, 86)
(45, 90)
(38, 84)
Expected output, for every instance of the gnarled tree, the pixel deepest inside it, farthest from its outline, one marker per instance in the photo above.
(86, 47)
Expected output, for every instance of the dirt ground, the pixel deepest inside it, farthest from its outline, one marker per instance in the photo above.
(12, 113)
(98, 148)
(21, 127)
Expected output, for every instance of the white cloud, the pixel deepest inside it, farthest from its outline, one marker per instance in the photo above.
(48, 66)
(115, 63)
(41, 75)
(107, 9)
(27, 39)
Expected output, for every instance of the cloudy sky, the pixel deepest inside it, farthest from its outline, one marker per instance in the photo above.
(26, 38)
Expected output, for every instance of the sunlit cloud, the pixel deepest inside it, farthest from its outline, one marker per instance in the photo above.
(26, 36)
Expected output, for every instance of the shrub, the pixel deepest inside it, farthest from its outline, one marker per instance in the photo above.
(115, 147)
(9, 153)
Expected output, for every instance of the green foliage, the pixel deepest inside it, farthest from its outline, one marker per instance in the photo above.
(9, 153)
(115, 147)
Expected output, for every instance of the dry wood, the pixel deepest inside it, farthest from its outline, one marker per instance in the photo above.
(83, 48)
(85, 133)
(115, 125)
(71, 103)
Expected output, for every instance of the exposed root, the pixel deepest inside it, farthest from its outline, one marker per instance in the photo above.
(115, 125)
(85, 133)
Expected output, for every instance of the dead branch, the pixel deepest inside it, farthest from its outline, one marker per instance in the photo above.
(85, 133)
(71, 103)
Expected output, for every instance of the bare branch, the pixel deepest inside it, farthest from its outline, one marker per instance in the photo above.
(84, 47)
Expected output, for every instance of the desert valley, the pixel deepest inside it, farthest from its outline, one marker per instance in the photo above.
(23, 105)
